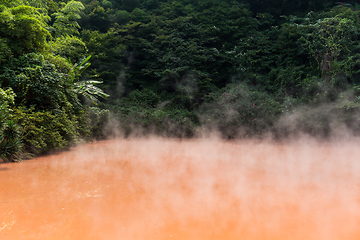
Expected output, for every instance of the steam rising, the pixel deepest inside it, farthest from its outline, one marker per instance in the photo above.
(154, 188)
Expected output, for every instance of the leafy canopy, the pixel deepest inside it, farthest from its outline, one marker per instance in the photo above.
(23, 29)
(66, 19)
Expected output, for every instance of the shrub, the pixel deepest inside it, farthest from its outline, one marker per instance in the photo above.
(146, 112)
(10, 143)
(236, 107)
(44, 131)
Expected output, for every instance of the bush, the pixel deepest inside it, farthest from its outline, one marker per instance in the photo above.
(37, 82)
(146, 112)
(44, 131)
(99, 121)
(236, 107)
(10, 143)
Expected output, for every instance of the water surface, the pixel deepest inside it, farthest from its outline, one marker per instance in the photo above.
(195, 190)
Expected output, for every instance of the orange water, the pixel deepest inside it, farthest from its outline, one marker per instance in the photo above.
(195, 189)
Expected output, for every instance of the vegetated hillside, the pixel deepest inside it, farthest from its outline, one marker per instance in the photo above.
(172, 66)
(40, 107)
(243, 68)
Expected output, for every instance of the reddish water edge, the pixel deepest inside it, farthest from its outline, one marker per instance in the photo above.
(196, 189)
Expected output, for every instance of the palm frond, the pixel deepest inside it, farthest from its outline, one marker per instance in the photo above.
(88, 89)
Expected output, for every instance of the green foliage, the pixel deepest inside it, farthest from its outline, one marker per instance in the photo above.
(332, 41)
(106, 4)
(37, 82)
(7, 97)
(66, 19)
(87, 88)
(40, 110)
(107, 51)
(45, 131)
(68, 47)
(145, 112)
(279, 7)
(122, 16)
(238, 107)
(130, 5)
(96, 17)
(323, 118)
(99, 122)
(24, 28)
(184, 52)
(10, 142)
(178, 41)
(283, 59)
(5, 51)
(11, 3)
(172, 66)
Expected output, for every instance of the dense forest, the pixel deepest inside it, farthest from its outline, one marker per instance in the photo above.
(75, 71)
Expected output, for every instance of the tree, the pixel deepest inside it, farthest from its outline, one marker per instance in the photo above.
(68, 47)
(334, 41)
(66, 19)
(23, 29)
(38, 82)
(44, 82)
